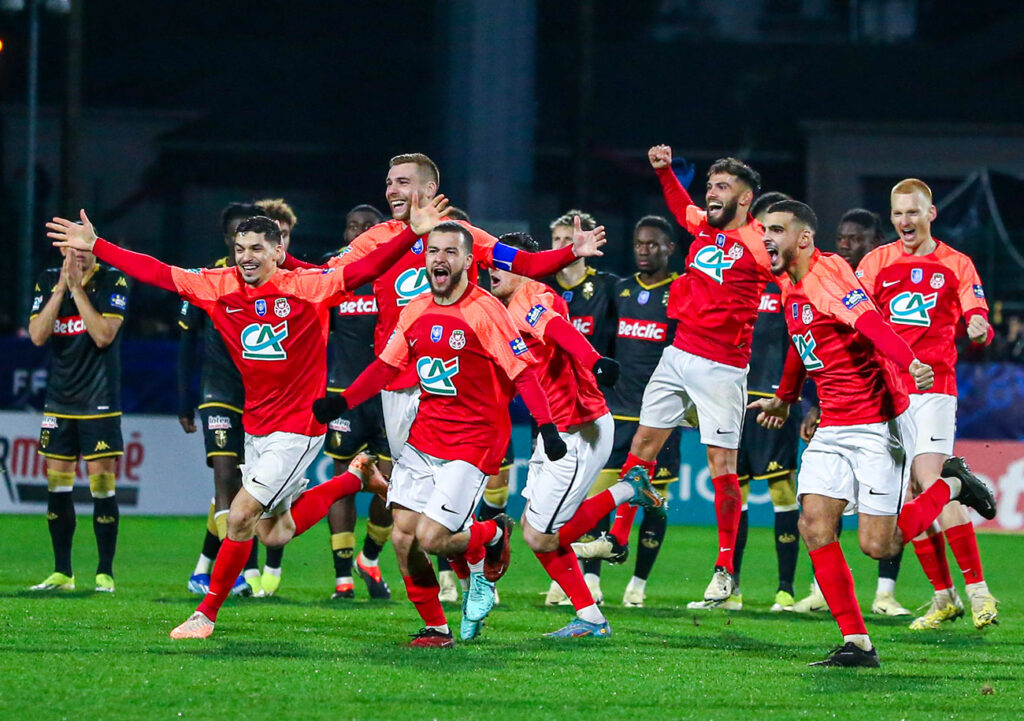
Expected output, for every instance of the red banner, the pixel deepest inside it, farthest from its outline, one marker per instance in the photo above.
(1001, 464)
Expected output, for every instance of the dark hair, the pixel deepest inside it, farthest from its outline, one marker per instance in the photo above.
(367, 208)
(457, 214)
(801, 211)
(766, 200)
(865, 219)
(518, 239)
(263, 225)
(234, 211)
(587, 221)
(737, 168)
(658, 223)
(450, 226)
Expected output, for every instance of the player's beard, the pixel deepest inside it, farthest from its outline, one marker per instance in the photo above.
(454, 278)
(725, 215)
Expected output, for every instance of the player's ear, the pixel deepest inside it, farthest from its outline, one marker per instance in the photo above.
(933, 212)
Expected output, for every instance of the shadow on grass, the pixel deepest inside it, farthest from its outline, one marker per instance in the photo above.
(271, 648)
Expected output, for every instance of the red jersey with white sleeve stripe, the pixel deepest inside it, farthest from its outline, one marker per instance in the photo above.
(570, 386)
(855, 383)
(923, 297)
(717, 298)
(466, 356)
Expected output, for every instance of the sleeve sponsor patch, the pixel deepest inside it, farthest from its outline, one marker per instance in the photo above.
(118, 301)
(855, 297)
(518, 346)
(534, 314)
(979, 292)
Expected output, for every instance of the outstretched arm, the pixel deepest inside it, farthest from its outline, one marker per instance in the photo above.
(585, 244)
(568, 338)
(676, 197)
(369, 383)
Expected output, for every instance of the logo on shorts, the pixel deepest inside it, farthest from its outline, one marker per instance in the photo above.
(101, 446)
(435, 333)
(342, 425)
(916, 275)
(912, 308)
(643, 297)
(215, 423)
(220, 437)
(411, 283)
(281, 308)
(437, 375)
(938, 280)
(807, 315)
(49, 422)
(712, 262)
(262, 341)
(805, 345)
(44, 439)
(261, 307)
(457, 340)
(533, 315)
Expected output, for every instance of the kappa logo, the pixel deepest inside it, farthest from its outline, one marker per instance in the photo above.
(533, 315)
(121, 282)
(457, 340)
(281, 308)
(805, 345)
(411, 283)
(712, 262)
(912, 309)
(101, 446)
(218, 423)
(437, 376)
(262, 341)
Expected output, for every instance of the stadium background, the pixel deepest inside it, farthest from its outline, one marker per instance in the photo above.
(153, 116)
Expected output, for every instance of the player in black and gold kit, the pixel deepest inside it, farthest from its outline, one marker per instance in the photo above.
(79, 309)
(642, 331)
(352, 327)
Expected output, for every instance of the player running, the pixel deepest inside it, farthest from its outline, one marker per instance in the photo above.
(925, 288)
(857, 460)
(274, 323)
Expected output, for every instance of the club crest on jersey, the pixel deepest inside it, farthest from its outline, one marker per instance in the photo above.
(261, 307)
(588, 290)
(938, 280)
(411, 283)
(518, 346)
(912, 308)
(262, 341)
(736, 251)
(417, 247)
(437, 375)
(533, 315)
(805, 345)
(457, 340)
(979, 292)
(567, 296)
(807, 315)
(435, 333)
(712, 262)
(281, 308)
(916, 275)
(854, 298)
(720, 240)
(643, 296)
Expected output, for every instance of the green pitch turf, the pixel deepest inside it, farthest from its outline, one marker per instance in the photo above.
(83, 655)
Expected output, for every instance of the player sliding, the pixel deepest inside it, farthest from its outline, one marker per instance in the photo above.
(470, 361)
(274, 323)
(858, 460)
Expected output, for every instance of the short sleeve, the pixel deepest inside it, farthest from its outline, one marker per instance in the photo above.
(970, 291)
(497, 333)
(112, 299)
(867, 271)
(41, 292)
(833, 288)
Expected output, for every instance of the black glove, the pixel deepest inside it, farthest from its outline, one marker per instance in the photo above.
(329, 408)
(554, 446)
(606, 371)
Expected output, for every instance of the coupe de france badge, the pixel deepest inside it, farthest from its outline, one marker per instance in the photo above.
(435, 333)
(281, 308)
(261, 307)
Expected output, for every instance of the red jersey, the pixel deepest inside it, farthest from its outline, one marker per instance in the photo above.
(716, 299)
(277, 336)
(570, 387)
(466, 356)
(923, 297)
(855, 383)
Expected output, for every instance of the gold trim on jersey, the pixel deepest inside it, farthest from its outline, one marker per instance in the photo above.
(222, 453)
(182, 325)
(113, 315)
(85, 417)
(215, 404)
(333, 389)
(636, 277)
(759, 394)
(586, 274)
(97, 456)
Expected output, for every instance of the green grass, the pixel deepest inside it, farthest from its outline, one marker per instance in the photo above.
(83, 655)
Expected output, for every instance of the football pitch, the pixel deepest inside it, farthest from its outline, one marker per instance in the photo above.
(83, 655)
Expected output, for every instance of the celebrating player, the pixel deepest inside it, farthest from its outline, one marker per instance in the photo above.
(857, 460)
(925, 288)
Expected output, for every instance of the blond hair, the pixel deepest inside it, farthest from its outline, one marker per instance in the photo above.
(277, 209)
(908, 186)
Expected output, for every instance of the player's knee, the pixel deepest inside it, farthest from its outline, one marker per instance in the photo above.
(101, 485)
(539, 542)
(816, 532)
(59, 481)
(878, 548)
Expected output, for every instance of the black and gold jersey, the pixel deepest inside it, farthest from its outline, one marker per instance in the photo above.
(770, 344)
(591, 306)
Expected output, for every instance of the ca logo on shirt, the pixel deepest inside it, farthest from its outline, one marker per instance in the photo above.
(805, 345)
(262, 341)
(912, 308)
(411, 283)
(437, 375)
(712, 262)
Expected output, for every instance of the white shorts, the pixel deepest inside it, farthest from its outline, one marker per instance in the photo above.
(555, 489)
(687, 390)
(275, 467)
(399, 409)
(866, 465)
(935, 416)
(445, 491)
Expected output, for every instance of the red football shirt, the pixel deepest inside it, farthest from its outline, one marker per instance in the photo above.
(716, 299)
(570, 387)
(923, 297)
(855, 383)
(276, 335)
(466, 356)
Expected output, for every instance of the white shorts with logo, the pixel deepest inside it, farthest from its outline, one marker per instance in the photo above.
(555, 489)
(399, 409)
(445, 491)
(275, 466)
(935, 416)
(688, 390)
(866, 465)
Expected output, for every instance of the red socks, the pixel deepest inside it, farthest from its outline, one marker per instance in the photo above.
(931, 552)
(626, 513)
(586, 517)
(965, 548)
(423, 592)
(917, 515)
(480, 534)
(564, 569)
(460, 566)
(312, 505)
(728, 508)
(230, 561)
(836, 584)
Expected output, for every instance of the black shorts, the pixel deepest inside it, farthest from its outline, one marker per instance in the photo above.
(669, 459)
(766, 454)
(67, 439)
(223, 434)
(358, 429)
